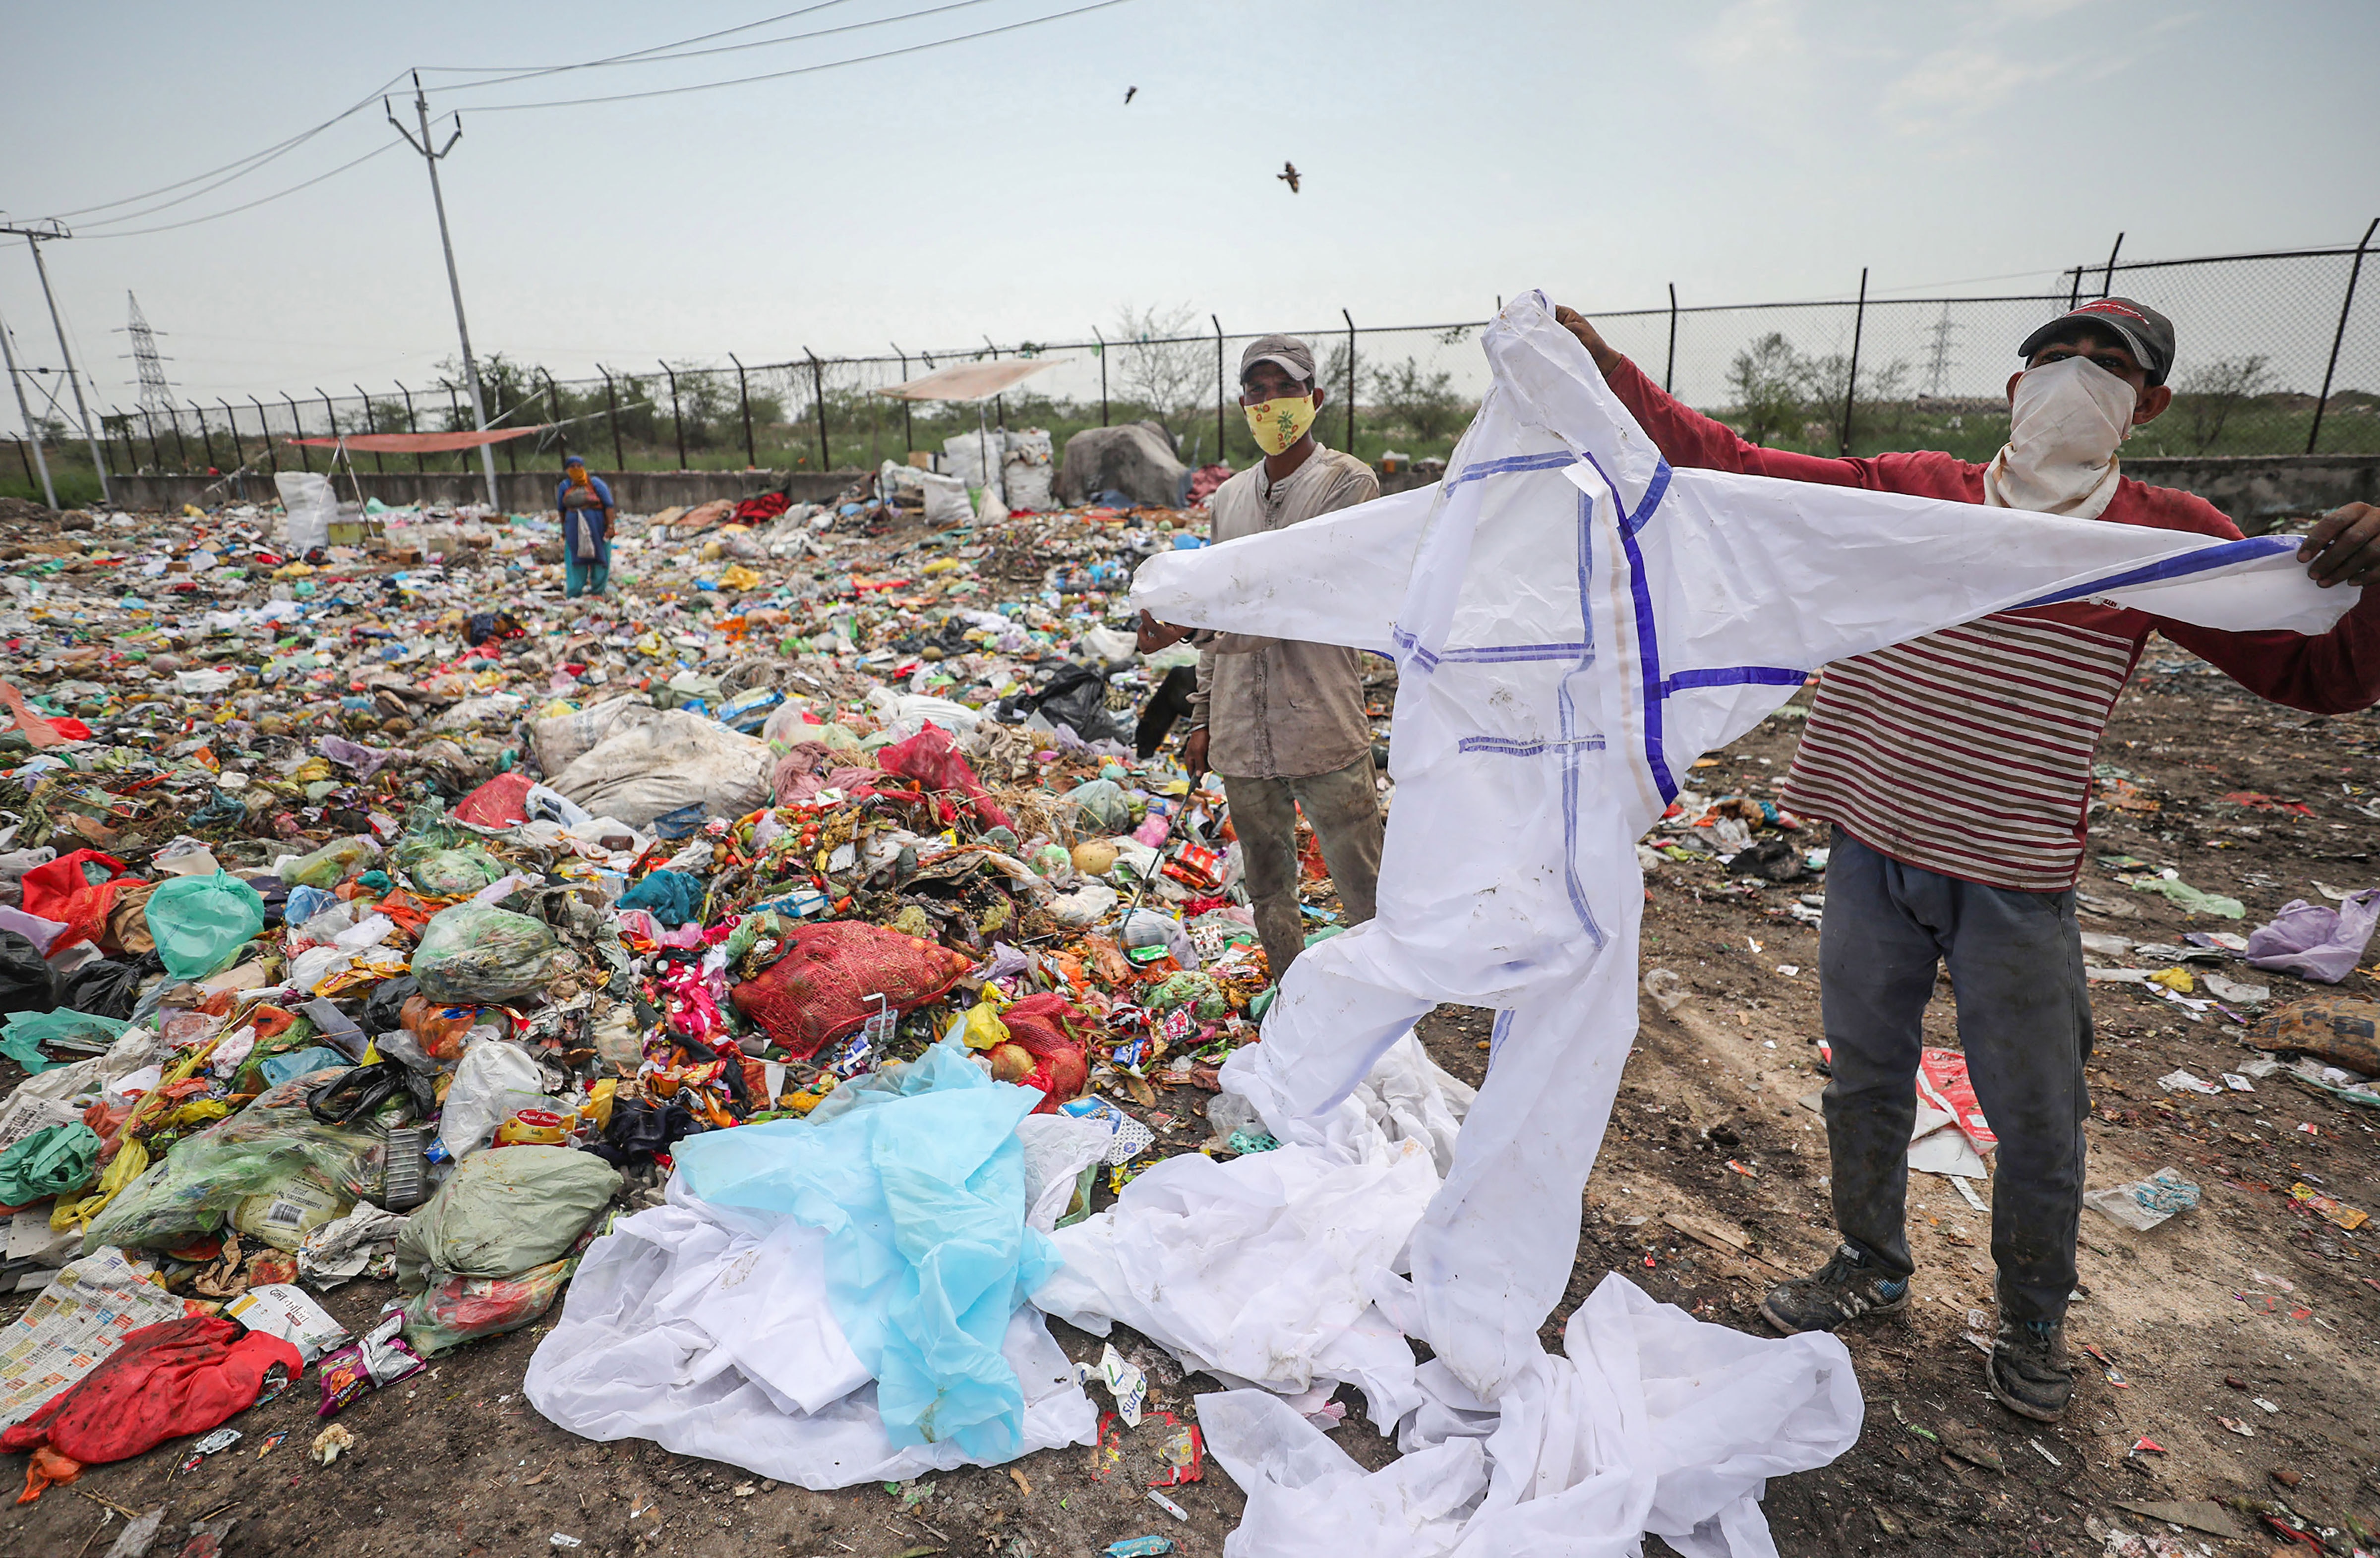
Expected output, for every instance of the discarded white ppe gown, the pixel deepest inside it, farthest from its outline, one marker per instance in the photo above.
(1575, 623)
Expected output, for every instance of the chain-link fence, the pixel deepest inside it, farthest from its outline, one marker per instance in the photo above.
(2278, 356)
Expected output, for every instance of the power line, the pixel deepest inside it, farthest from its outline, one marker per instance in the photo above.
(633, 54)
(654, 56)
(263, 199)
(805, 69)
(258, 158)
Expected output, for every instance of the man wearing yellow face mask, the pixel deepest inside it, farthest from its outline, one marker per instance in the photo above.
(1284, 723)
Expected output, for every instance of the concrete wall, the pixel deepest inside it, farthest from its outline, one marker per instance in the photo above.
(522, 492)
(2259, 491)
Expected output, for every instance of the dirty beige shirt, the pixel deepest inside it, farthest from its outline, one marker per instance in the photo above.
(1275, 708)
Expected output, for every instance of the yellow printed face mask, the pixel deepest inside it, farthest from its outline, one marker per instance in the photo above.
(1277, 424)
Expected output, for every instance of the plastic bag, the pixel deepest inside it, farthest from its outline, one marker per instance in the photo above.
(25, 982)
(309, 506)
(24, 1033)
(932, 757)
(263, 1148)
(445, 1315)
(184, 1376)
(76, 890)
(51, 1162)
(473, 953)
(330, 865)
(107, 987)
(494, 1080)
(1100, 807)
(501, 1214)
(454, 873)
(821, 989)
(2314, 941)
(201, 923)
(675, 761)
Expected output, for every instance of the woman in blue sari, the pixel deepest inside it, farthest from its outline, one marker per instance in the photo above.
(586, 504)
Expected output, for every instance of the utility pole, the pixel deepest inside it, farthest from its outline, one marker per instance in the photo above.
(454, 282)
(32, 431)
(33, 233)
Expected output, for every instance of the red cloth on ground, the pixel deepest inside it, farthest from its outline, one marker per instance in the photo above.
(1058, 1034)
(762, 509)
(182, 1376)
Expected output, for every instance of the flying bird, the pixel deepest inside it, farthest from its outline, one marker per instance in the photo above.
(1288, 174)
(1128, 92)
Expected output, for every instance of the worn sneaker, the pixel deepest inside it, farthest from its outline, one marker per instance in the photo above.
(2027, 1369)
(1847, 1288)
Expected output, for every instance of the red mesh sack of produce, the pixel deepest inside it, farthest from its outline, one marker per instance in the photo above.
(503, 802)
(183, 1376)
(76, 890)
(933, 758)
(819, 991)
(1056, 1035)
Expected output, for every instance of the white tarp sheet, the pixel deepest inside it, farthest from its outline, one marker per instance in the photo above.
(1575, 623)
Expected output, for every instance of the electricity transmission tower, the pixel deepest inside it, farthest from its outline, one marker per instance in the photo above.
(156, 392)
(1937, 365)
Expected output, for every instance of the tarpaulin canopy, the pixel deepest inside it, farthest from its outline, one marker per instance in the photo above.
(415, 444)
(973, 381)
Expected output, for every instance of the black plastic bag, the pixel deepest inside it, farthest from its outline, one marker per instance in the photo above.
(385, 1008)
(110, 987)
(25, 982)
(639, 1129)
(1076, 698)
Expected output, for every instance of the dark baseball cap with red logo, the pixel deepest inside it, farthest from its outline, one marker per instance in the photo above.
(2139, 327)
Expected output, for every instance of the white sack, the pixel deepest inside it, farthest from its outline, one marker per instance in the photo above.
(565, 738)
(308, 505)
(645, 769)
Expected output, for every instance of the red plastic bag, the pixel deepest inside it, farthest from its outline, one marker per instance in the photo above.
(933, 758)
(63, 892)
(183, 1376)
(503, 802)
(819, 990)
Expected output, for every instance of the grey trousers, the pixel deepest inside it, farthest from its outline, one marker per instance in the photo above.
(2024, 1023)
(1344, 810)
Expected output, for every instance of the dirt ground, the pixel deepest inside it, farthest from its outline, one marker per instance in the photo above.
(2245, 1301)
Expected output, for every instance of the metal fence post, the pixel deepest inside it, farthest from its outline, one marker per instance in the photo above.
(2074, 296)
(818, 394)
(156, 454)
(238, 455)
(612, 399)
(454, 424)
(1219, 385)
(331, 463)
(1850, 380)
(744, 399)
(1670, 364)
(2108, 281)
(554, 399)
(676, 415)
(208, 436)
(297, 429)
(908, 435)
(1104, 373)
(1350, 378)
(512, 445)
(372, 425)
(124, 427)
(272, 455)
(411, 426)
(999, 402)
(2338, 338)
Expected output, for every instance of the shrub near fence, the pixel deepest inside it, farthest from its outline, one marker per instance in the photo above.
(2279, 355)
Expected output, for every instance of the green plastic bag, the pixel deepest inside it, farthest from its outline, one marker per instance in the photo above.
(24, 1033)
(265, 1147)
(330, 865)
(201, 923)
(504, 1211)
(51, 1162)
(472, 954)
(454, 873)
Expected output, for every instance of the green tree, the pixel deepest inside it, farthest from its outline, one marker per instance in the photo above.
(1422, 404)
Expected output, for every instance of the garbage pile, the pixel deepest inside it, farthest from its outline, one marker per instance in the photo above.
(373, 911)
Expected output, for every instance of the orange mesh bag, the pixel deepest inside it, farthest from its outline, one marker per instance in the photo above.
(819, 990)
(1057, 1034)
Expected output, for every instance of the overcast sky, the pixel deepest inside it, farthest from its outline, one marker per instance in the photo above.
(1448, 153)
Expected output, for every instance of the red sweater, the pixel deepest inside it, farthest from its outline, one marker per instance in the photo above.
(1969, 751)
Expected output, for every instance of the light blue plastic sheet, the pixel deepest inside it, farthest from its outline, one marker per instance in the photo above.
(917, 1178)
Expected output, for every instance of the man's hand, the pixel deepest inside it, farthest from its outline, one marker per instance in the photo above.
(1194, 753)
(1606, 361)
(2343, 547)
(1154, 635)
